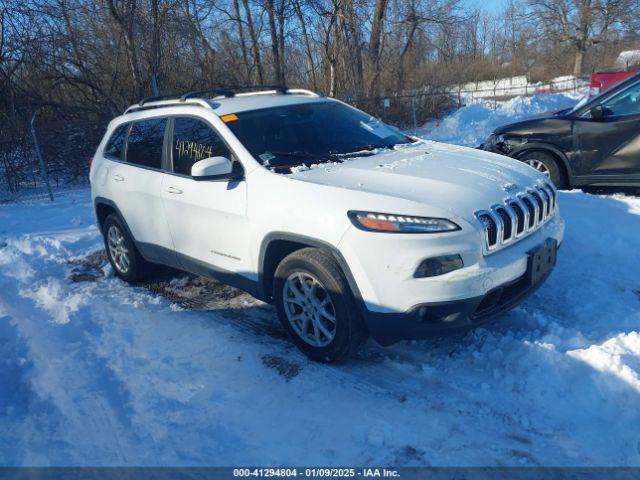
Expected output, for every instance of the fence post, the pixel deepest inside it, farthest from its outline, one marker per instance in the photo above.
(43, 169)
(413, 110)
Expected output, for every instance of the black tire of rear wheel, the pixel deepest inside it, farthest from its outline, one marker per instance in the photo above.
(350, 330)
(139, 268)
(556, 172)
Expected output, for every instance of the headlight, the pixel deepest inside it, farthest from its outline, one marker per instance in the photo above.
(386, 222)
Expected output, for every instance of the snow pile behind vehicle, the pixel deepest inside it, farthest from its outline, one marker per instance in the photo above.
(472, 124)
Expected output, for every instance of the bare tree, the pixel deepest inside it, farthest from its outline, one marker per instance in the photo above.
(581, 23)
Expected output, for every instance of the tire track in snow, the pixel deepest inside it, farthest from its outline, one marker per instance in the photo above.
(94, 412)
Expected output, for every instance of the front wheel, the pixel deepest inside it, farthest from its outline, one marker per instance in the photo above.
(123, 255)
(546, 164)
(315, 306)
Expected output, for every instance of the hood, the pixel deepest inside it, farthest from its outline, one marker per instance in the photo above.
(449, 178)
(545, 120)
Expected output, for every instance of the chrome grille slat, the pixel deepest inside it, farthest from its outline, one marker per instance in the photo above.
(517, 216)
(525, 214)
(499, 226)
(539, 205)
(511, 235)
(545, 200)
(534, 206)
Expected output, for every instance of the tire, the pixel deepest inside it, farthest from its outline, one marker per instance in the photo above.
(310, 326)
(546, 163)
(119, 245)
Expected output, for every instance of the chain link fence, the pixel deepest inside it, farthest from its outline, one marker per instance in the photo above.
(48, 155)
(415, 108)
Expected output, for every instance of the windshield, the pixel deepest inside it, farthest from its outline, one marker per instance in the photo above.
(596, 100)
(303, 134)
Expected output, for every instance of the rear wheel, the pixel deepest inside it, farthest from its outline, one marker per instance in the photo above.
(315, 305)
(123, 255)
(547, 164)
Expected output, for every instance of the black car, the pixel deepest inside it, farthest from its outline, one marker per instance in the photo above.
(595, 143)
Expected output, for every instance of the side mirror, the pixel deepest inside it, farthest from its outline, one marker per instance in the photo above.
(216, 168)
(597, 113)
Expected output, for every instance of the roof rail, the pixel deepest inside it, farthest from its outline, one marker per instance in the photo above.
(283, 89)
(198, 96)
(169, 102)
(215, 91)
(158, 98)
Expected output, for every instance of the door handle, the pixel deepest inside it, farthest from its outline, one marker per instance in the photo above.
(118, 178)
(174, 190)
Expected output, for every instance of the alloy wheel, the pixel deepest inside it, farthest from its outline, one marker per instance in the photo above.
(538, 165)
(118, 249)
(309, 309)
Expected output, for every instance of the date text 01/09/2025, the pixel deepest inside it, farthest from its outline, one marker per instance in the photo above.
(316, 472)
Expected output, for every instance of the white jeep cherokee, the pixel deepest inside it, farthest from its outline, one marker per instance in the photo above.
(350, 227)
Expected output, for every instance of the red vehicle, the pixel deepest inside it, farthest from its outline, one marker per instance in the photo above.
(604, 80)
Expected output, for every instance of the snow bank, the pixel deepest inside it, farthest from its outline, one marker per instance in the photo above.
(472, 124)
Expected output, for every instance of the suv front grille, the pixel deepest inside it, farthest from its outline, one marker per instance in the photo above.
(518, 216)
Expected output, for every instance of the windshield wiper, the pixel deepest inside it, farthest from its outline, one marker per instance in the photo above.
(357, 151)
(294, 154)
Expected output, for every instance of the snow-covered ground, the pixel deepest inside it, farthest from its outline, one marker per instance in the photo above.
(186, 372)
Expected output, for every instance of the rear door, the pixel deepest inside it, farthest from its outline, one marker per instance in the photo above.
(610, 148)
(140, 181)
(207, 219)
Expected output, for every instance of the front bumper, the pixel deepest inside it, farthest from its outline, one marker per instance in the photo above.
(430, 319)
(398, 306)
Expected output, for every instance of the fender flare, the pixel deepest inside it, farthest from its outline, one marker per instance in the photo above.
(111, 204)
(549, 148)
(314, 243)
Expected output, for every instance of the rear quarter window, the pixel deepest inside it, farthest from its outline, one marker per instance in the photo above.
(115, 146)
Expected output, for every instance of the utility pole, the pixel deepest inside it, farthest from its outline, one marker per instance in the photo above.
(36, 144)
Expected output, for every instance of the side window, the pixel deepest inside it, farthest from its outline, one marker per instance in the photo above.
(626, 102)
(115, 145)
(194, 140)
(144, 144)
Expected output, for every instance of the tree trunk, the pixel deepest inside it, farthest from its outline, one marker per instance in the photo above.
(243, 42)
(374, 42)
(354, 53)
(586, 20)
(255, 46)
(578, 62)
(307, 45)
(126, 22)
(275, 44)
(283, 79)
(155, 49)
(405, 49)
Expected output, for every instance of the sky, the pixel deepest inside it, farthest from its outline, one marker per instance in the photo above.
(486, 4)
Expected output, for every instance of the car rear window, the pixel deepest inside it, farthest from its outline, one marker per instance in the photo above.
(115, 145)
(145, 141)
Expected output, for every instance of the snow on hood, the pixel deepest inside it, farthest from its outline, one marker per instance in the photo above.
(451, 178)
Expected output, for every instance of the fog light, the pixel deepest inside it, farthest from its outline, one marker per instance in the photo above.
(432, 267)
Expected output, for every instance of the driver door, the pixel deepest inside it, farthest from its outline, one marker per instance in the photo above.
(610, 147)
(207, 219)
